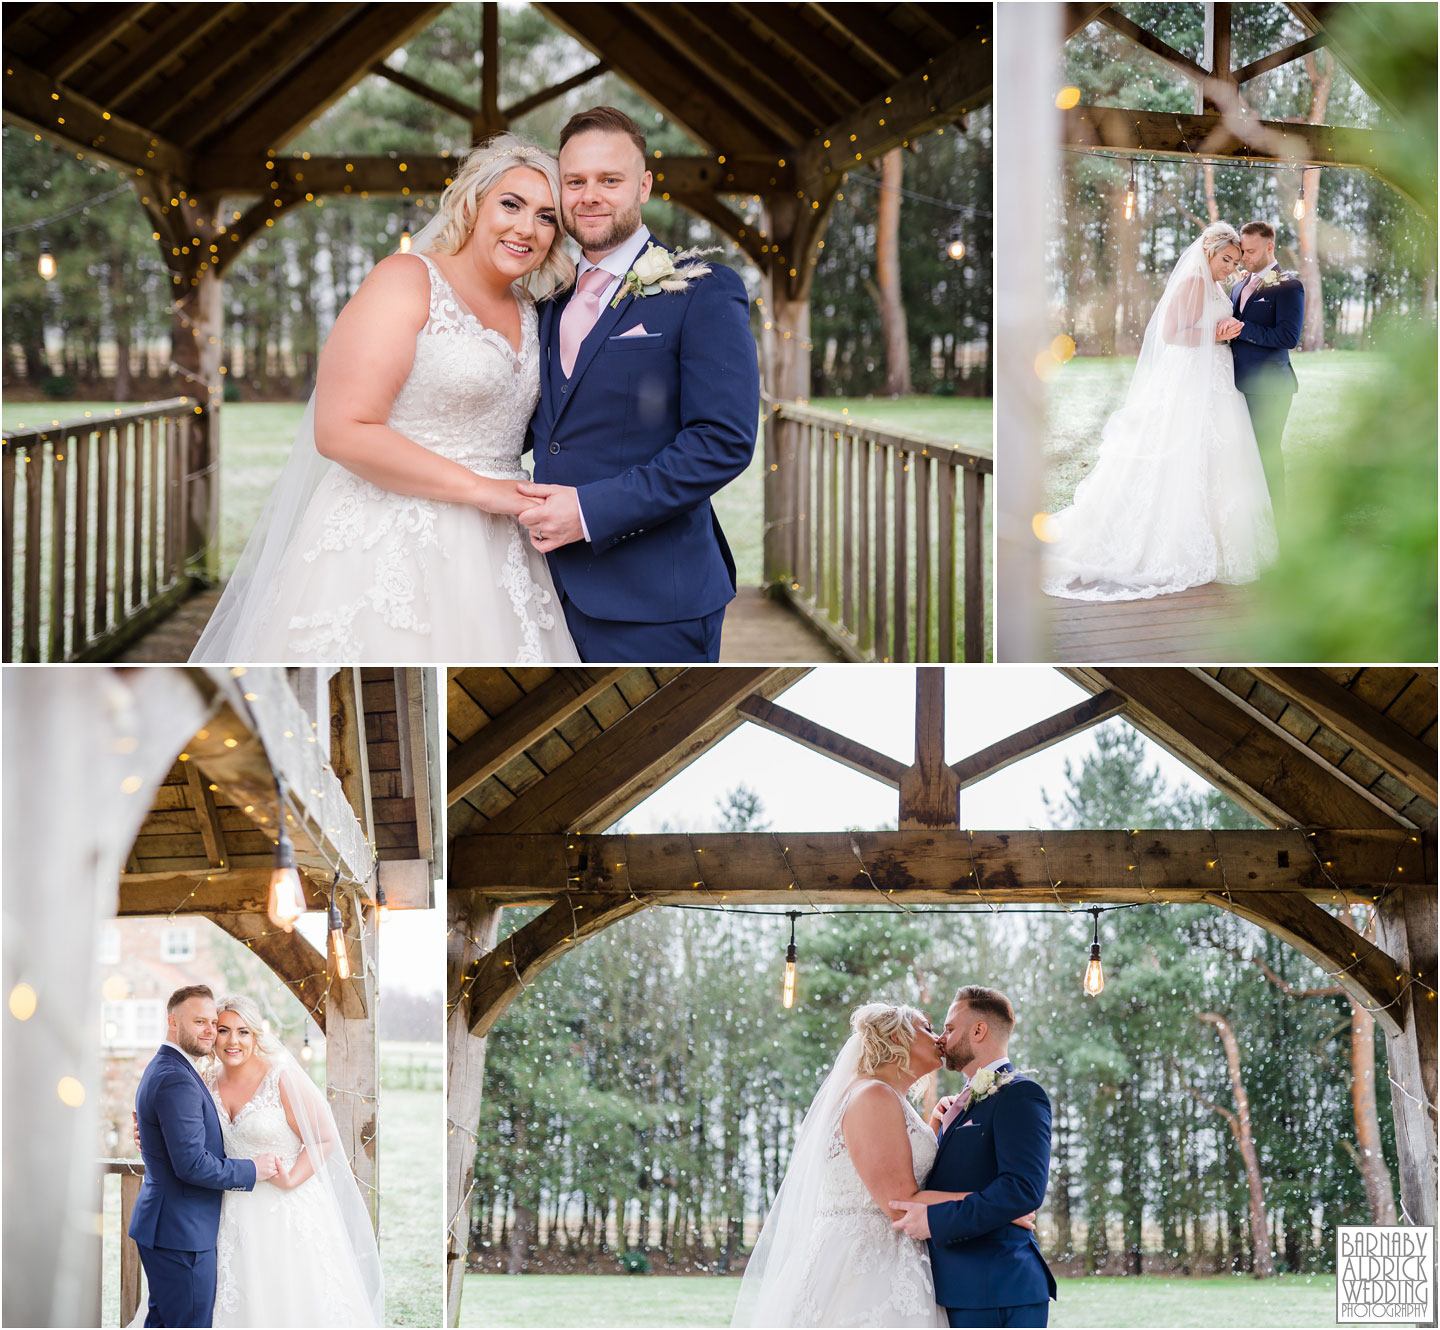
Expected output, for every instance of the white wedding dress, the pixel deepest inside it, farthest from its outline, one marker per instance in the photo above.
(828, 1255)
(371, 576)
(281, 1257)
(1178, 497)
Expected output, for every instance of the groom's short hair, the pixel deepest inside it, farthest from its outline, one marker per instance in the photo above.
(603, 120)
(185, 994)
(1258, 229)
(990, 1003)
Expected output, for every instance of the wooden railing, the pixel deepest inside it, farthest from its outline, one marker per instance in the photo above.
(94, 514)
(132, 1174)
(864, 527)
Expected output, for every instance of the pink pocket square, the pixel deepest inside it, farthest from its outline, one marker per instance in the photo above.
(637, 331)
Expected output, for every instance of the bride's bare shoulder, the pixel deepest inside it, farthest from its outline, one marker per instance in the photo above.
(397, 289)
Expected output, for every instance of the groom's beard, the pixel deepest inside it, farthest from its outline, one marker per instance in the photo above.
(191, 1044)
(622, 226)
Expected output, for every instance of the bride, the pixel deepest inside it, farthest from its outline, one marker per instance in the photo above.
(827, 1255)
(298, 1250)
(1178, 496)
(391, 536)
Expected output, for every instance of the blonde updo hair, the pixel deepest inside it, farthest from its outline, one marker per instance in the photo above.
(267, 1045)
(478, 175)
(886, 1032)
(1218, 236)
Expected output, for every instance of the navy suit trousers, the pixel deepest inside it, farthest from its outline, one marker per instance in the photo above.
(1032, 1314)
(614, 641)
(182, 1285)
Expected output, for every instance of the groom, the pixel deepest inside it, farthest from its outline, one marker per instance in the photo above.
(649, 404)
(995, 1146)
(1269, 307)
(177, 1214)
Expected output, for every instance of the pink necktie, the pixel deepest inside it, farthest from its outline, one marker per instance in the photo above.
(962, 1102)
(1248, 290)
(580, 315)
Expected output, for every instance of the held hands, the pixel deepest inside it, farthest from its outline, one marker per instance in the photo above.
(266, 1167)
(501, 496)
(284, 1179)
(555, 518)
(135, 1123)
(1228, 329)
(915, 1222)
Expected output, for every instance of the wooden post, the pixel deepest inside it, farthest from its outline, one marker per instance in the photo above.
(352, 1066)
(197, 334)
(1405, 929)
(929, 790)
(473, 925)
(129, 1252)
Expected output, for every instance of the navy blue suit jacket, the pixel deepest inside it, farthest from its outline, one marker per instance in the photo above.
(647, 428)
(999, 1151)
(1273, 318)
(184, 1152)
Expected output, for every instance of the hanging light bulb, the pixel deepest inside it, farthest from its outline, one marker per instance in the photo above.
(306, 1052)
(1130, 196)
(1094, 971)
(337, 936)
(405, 239)
(956, 249)
(382, 906)
(787, 993)
(1299, 211)
(287, 898)
(46, 266)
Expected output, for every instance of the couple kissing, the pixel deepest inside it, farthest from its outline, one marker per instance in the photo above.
(885, 1219)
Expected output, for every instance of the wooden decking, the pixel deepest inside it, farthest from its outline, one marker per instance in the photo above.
(757, 630)
(1206, 624)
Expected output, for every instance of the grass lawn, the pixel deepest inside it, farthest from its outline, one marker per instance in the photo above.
(677, 1300)
(412, 1144)
(1084, 393)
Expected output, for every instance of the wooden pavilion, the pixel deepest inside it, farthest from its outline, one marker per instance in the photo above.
(196, 103)
(348, 761)
(1339, 764)
(1221, 130)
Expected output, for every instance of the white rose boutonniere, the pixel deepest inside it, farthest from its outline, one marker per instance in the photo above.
(656, 270)
(984, 1083)
(1270, 278)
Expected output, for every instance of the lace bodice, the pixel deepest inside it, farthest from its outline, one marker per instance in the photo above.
(842, 1191)
(469, 396)
(260, 1126)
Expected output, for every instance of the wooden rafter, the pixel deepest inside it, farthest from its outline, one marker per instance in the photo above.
(689, 97)
(811, 49)
(638, 753)
(513, 731)
(1295, 51)
(324, 75)
(425, 91)
(81, 42)
(177, 32)
(884, 46)
(725, 221)
(1113, 18)
(929, 789)
(1374, 734)
(349, 753)
(820, 739)
(1080, 14)
(1041, 735)
(672, 27)
(945, 866)
(499, 977)
(203, 804)
(1212, 732)
(298, 965)
(527, 104)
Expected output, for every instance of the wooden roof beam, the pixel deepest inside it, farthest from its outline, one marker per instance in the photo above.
(1296, 51)
(527, 104)
(325, 75)
(1237, 749)
(201, 74)
(83, 41)
(883, 46)
(1113, 18)
(1080, 14)
(1374, 734)
(469, 114)
(177, 32)
(730, 224)
(77, 122)
(1037, 737)
(203, 804)
(947, 87)
(673, 27)
(299, 966)
(684, 91)
(824, 741)
(953, 866)
(641, 751)
(813, 54)
(469, 764)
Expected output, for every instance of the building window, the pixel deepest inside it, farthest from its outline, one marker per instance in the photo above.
(132, 1023)
(178, 944)
(107, 948)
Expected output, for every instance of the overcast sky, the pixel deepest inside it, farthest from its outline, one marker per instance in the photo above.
(875, 704)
